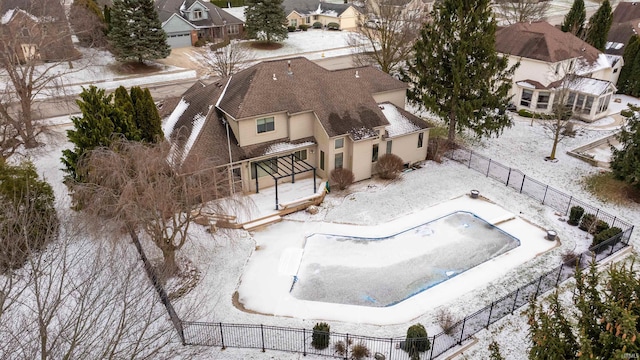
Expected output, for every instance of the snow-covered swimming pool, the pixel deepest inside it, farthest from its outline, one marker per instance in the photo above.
(388, 270)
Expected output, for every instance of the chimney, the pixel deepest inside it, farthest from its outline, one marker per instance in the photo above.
(274, 77)
(289, 68)
(357, 75)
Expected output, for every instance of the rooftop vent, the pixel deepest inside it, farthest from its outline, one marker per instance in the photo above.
(357, 75)
(274, 77)
(289, 68)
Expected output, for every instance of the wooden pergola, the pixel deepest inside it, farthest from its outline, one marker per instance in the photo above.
(283, 167)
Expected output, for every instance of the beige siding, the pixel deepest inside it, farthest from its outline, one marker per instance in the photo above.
(396, 97)
(247, 133)
(301, 125)
(349, 19)
(406, 147)
(361, 162)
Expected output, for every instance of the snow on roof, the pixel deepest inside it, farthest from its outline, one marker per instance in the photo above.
(398, 123)
(362, 133)
(6, 17)
(198, 123)
(284, 146)
(171, 121)
(589, 86)
(526, 84)
(601, 63)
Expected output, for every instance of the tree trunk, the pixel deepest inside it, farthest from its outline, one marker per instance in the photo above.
(556, 137)
(170, 266)
(452, 128)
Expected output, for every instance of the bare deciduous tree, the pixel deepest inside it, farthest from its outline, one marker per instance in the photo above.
(385, 34)
(135, 185)
(35, 53)
(83, 298)
(514, 11)
(227, 60)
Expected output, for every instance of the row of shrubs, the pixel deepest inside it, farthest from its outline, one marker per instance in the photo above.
(591, 224)
(316, 25)
(416, 342)
(389, 166)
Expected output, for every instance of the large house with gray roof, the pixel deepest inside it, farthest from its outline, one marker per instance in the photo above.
(554, 62)
(285, 118)
(187, 21)
(309, 12)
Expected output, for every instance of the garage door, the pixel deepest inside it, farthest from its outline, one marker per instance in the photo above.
(179, 40)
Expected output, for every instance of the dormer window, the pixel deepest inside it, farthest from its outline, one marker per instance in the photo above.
(197, 14)
(25, 31)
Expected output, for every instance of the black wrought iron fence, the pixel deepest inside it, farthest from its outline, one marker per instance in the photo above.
(341, 345)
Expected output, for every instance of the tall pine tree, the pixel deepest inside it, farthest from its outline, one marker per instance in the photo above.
(457, 73)
(627, 83)
(93, 129)
(146, 115)
(625, 162)
(599, 25)
(136, 32)
(575, 18)
(265, 20)
(127, 124)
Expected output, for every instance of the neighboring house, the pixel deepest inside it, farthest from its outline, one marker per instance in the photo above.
(552, 61)
(625, 23)
(187, 21)
(308, 12)
(292, 118)
(35, 29)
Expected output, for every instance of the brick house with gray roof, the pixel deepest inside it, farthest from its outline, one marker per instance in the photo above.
(314, 118)
(35, 30)
(552, 61)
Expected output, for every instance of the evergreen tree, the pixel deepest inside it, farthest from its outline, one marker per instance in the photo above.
(28, 218)
(93, 129)
(625, 81)
(136, 32)
(125, 125)
(107, 17)
(575, 18)
(608, 318)
(625, 163)
(146, 115)
(457, 73)
(599, 25)
(265, 20)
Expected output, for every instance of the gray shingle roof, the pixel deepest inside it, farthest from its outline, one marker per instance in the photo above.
(217, 17)
(542, 41)
(341, 100)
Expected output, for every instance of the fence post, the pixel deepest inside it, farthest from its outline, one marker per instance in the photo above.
(470, 156)
(464, 321)
(545, 194)
(489, 168)
(515, 301)
(569, 205)
(538, 287)
(222, 337)
(346, 347)
(433, 343)
(304, 342)
(522, 185)
(508, 177)
(559, 274)
(390, 348)
(262, 336)
(489, 318)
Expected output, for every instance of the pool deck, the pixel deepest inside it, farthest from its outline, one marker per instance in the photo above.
(266, 282)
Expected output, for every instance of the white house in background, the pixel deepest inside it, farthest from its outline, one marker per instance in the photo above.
(552, 60)
(281, 120)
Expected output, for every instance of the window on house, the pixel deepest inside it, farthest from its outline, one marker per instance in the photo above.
(25, 31)
(300, 155)
(543, 100)
(294, 22)
(339, 143)
(374, 156)
(603, 103)
(580, 101)
(389, 147)
(588, 104)
(197, 14)
(321, 160)
(45, 29)
(265, 125)
(525, 99)
(571, 99)
(420, 139)
(315, 17)
(339, 160)
(264, 168)
(308, 20)
(233, 29)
